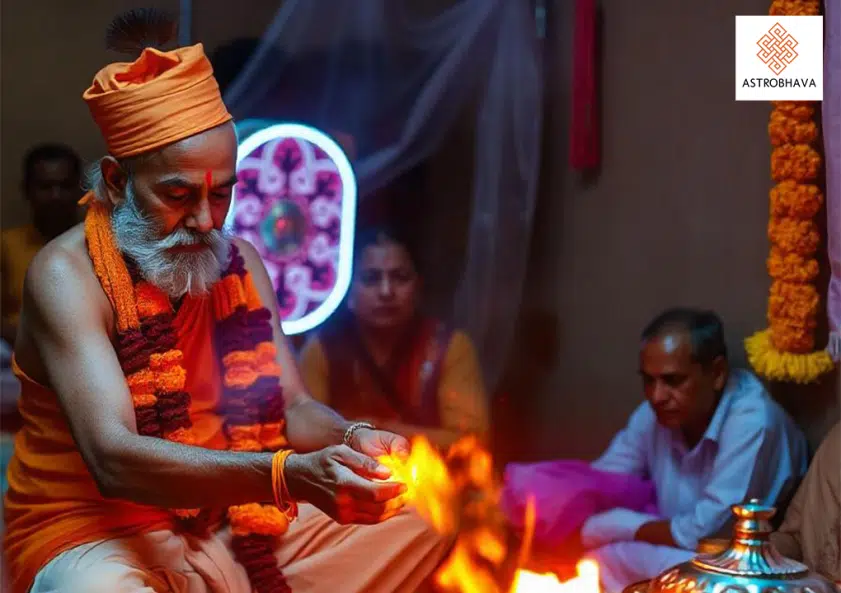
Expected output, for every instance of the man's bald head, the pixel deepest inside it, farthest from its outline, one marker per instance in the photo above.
(704, 330)
(683, 365)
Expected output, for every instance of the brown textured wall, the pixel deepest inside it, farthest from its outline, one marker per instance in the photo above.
(50, 51)
(677, 215)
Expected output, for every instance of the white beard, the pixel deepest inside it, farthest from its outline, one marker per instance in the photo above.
(177, 274)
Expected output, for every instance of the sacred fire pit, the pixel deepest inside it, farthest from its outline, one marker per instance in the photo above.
(458, 494)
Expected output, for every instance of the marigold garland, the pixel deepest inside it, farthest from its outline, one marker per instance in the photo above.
(795, 200)
(795, 8)
(796, 162)
(792, 267)
(785, 350)
(253, 406)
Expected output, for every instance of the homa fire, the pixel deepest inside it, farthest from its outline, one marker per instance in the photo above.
(458, 494)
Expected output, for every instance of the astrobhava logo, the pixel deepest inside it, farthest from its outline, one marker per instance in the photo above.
(777, 50)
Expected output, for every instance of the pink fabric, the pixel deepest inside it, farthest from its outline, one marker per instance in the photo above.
(567, 493)
(832, 148)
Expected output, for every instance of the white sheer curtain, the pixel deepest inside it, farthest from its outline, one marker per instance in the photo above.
(391, 82)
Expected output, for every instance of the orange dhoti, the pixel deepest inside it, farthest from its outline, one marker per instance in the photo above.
(316, 555)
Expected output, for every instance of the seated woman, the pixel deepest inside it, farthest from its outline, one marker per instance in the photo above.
(380, 360)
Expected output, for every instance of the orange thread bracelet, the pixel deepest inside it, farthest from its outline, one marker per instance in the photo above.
(282, 498)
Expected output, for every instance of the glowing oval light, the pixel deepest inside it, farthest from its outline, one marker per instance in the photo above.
(276, 211)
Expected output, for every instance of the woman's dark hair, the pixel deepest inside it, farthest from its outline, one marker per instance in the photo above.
(381, 235)
(706, 332)
(341, 322)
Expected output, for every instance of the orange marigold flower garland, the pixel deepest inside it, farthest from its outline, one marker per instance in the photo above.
(785, 351)
(795, 8)
(253, 406)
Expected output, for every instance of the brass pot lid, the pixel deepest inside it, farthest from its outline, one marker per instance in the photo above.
(750, 553)
(750, 564)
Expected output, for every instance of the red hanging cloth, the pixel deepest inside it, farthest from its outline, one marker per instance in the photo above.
(584, 126)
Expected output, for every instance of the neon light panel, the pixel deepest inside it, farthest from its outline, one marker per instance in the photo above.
(295, 201)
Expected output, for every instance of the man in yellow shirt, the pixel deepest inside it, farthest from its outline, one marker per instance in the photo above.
(52, 186)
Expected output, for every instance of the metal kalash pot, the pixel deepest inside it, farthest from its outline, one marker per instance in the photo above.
(750, 564)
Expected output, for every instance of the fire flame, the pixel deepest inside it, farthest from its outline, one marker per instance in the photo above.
(587, 581)
(458, 495)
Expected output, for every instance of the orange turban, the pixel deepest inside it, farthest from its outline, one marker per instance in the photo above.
(160, 98)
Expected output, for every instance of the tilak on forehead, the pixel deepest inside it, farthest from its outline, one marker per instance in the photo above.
(208, 182)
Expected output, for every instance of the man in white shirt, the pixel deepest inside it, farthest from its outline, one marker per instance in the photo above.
(707, 436)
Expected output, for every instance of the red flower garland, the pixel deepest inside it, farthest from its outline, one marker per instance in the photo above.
(253, 405)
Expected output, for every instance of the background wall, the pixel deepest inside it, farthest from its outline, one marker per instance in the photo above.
(50, 51)
(677, 214)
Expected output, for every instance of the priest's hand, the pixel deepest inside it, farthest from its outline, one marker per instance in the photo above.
(345, 484)
(379, 443)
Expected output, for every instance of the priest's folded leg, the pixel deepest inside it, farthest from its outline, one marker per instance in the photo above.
(316, 555)
(319, 555)
(162, 561)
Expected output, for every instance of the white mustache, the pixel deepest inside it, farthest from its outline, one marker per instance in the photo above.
(187, 238)
(142, 239)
